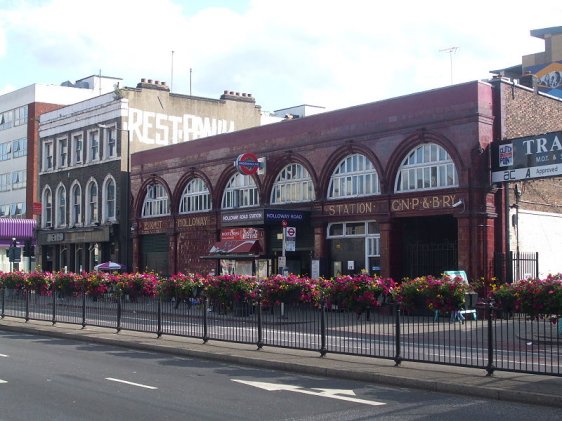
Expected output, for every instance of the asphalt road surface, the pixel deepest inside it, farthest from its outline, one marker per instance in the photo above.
(43, 378)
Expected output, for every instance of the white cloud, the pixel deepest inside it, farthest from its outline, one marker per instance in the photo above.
(286, 53)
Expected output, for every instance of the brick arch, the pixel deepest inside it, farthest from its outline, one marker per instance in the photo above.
(349, 149)
(221, 184)
(281, 162)
(184, 179)
(142, 194)
(415, 139)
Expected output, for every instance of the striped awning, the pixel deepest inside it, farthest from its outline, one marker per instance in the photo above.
(17, 228)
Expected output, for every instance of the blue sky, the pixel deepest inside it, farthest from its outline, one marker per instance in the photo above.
(318, 52)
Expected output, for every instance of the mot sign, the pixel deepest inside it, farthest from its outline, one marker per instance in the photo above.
(527, 157)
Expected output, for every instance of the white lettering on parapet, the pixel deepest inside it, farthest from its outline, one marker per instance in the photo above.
(163, 129)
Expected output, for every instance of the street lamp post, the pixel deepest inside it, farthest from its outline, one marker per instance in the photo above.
(127, 181)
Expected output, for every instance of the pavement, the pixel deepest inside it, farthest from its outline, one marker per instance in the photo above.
(504, 386)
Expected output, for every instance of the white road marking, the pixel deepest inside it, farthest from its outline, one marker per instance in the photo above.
(130, 383)
(3, 355)
(325, 393)
(3, 381)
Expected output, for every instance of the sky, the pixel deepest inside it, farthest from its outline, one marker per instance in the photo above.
(333, 54)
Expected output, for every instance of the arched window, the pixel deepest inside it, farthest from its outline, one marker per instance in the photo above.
(61, 206)
(156, 201)
(109, 199)
(92, 203)
(75, 204)
(293, 184)
(240, 192)
(426, 167)
(354, 176)
(47, 216)
(195, 197)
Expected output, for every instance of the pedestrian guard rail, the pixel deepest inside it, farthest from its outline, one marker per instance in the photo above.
(491, 340)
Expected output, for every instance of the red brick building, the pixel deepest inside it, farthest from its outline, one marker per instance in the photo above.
(400, 187)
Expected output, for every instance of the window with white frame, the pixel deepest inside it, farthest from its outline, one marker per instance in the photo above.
(92, 203)
(93, 146)
(109, 202)
(20, 116)
(293, 184)
(5, 151)
(5, 181)
(48, 155)
(110, 142)
(47, 216)
(426, 167)
(354, 176)
(195, 197)
(363, 237)
(240, 192)
(19, 179)
(156, 201)
(76, 204)
(61, 206)
(19, 147)
(62, 147)
(77, 148)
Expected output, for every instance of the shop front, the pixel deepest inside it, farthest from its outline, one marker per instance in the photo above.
(285, 242)
(20, 234)
(77, 249)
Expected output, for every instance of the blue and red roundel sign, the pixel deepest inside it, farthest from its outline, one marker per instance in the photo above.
(247, 163)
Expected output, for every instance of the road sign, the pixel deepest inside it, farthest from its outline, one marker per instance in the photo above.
(284, 223)
(282, 261)
(290, 233)
(290, 245)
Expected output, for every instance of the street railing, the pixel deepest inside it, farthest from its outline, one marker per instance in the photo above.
(512, 342)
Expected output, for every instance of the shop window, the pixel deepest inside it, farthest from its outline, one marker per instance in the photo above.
(354, 176)
(293, 184)
(335, 230)
(426, 167)
(156, 201)
(195, 197)
(355, 228)
(354, 247)
(240, 192)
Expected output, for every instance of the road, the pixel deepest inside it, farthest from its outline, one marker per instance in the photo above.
(43, 378)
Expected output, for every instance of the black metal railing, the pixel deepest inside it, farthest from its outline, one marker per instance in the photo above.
(513, 266)
(487, 338)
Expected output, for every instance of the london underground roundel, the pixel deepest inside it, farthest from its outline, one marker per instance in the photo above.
(247, 163)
